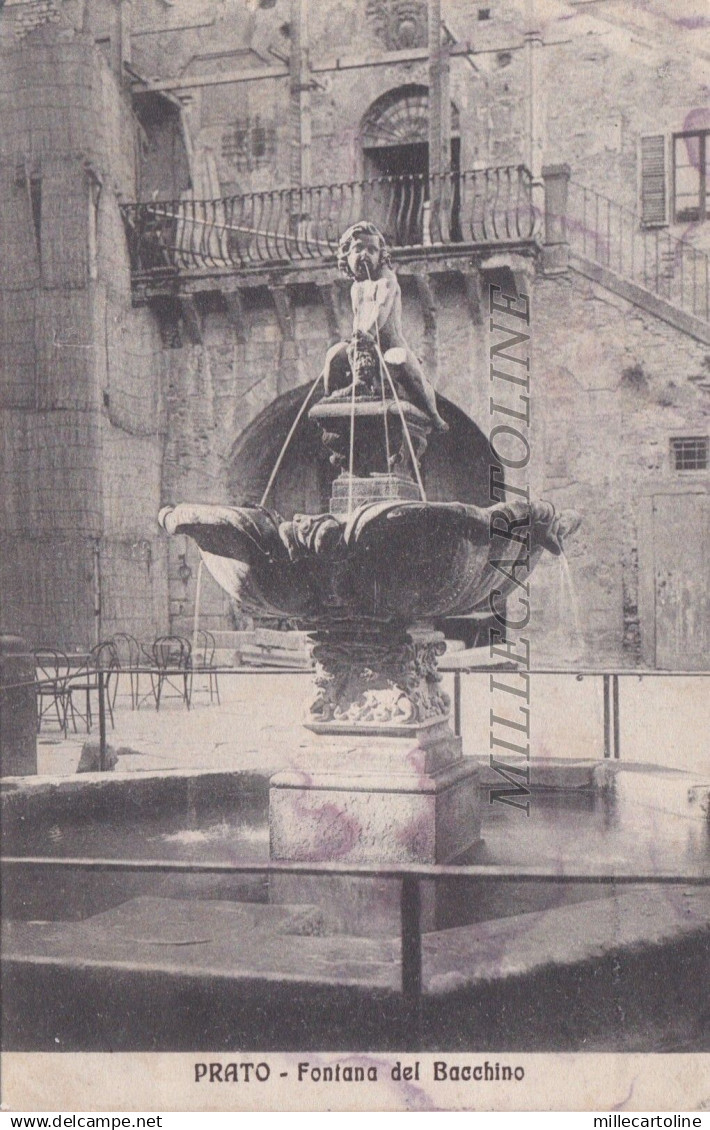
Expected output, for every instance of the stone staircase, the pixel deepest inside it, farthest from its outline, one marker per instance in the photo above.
(667, 276)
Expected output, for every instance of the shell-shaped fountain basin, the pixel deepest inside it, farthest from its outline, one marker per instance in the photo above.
(389, 561)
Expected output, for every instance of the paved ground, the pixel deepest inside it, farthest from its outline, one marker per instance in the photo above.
(259, 715)
(664, 720)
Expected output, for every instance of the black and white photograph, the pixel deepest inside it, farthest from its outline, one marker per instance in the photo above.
(355, 555)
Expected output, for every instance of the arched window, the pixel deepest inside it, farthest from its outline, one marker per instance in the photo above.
(401, 118)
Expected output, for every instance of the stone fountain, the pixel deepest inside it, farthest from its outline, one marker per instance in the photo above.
(382, 777)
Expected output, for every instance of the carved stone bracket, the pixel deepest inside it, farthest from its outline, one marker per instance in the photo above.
(383, 679)
(191, 320)
(235, 313)
(284, 312)
(474, 296)
(520, 270)
(329, 297)
(427, 304)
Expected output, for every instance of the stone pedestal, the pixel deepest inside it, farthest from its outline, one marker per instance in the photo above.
(377, 680)
(379, 799)
(387, 435)
(383, 781)
(355, 490)
(372, 798)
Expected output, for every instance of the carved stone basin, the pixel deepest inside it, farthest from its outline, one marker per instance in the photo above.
(399, 562)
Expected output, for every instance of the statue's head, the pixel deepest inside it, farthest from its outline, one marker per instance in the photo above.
(363, 251)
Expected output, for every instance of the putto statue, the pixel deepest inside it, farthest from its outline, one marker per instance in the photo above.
(376, 299)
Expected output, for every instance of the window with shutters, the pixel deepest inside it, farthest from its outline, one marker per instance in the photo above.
(690, 168)
(653, 180)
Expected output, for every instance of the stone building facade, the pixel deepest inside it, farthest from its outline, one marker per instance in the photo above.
(130, 381)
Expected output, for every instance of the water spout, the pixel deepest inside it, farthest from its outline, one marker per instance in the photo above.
(571, 632)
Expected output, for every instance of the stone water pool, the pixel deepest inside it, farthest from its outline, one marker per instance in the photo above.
(276, 956)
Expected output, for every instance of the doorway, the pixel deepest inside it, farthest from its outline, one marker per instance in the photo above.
(674, 594)
(398, 194)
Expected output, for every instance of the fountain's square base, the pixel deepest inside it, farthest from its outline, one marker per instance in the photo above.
(372, 798)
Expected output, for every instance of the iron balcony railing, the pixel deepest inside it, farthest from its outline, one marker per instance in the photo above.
(298, 224)
(613, 236)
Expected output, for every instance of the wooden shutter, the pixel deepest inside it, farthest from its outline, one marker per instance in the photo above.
(653, 179)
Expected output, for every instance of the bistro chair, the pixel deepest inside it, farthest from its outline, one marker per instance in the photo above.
(203, 649)
(172, 667)
(83, 683)
(128, 657)
(52, 669)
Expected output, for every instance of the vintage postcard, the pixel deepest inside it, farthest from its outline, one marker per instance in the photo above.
(355, 566)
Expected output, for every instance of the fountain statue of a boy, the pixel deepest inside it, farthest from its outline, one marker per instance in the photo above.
(376, 298)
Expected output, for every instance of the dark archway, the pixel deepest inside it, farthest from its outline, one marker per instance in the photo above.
(163, 161)
(455, 466)
(303, 483)
(400, 117)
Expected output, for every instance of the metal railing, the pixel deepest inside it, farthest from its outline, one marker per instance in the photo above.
(300, 224)
(611, 740)
(410, 876)
(613, 236)
(611, 726)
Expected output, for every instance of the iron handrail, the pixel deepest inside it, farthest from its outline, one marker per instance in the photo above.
(615, 237)
(486, 872)
(300, 224)
(468, 669)
(610, 679)
(410, 875)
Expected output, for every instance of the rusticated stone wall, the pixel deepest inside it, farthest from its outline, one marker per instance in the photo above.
(80, 370)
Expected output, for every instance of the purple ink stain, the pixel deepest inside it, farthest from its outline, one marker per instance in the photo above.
(337, 833)
(416, 836)
(692, 23)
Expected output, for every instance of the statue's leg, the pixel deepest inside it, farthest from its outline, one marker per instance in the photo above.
(423, 393)
(336, 368)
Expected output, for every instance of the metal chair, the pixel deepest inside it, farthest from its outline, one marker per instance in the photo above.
(203, 650)
(171, 658)
(128, 657)
(86, 680)
(52, 669)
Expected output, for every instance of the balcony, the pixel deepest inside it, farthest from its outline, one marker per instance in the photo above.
(293, 227)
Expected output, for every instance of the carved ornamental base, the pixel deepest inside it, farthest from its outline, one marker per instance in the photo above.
(384, 682)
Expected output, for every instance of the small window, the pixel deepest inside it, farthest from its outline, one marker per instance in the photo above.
(249, 145)
(690, 453)
(484, 13)
(690, 169)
